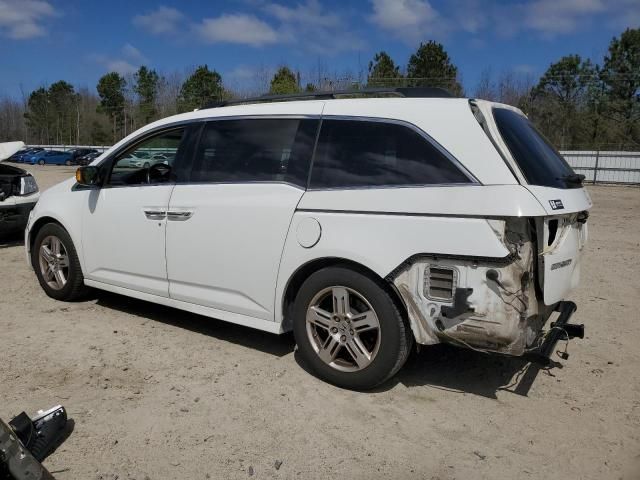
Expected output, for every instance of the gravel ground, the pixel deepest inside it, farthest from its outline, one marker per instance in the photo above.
(161, 394)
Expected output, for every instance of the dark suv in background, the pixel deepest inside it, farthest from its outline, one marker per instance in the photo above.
(78, 155)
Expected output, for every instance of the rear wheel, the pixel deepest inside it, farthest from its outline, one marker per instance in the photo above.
(41, 162)
(349, 329)
(56, 263)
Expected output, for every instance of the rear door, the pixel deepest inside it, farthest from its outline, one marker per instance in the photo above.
(562, 233)
(226, 227)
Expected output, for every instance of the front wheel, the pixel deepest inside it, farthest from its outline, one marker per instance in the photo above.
(56, 264)
(40, 162)
(349, 329)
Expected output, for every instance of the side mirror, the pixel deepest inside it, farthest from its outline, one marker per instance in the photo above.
(87, 176)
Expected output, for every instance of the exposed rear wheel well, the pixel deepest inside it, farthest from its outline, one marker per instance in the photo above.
(298, 278)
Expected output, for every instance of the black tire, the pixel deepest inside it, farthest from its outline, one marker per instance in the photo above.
(396, 338)
(74, 289)
(41, 162)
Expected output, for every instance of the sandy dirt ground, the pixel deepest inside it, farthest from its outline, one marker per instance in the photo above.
(156, 393)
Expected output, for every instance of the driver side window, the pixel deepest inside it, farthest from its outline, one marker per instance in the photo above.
(149, 161)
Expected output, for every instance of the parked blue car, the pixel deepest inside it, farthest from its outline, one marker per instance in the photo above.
(21, 155)
(52, 157)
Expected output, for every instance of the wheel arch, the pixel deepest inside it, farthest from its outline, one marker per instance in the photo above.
(37, 226)
(304, 271)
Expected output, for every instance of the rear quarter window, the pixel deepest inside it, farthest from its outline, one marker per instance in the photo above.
(540, 162)
(360, 153)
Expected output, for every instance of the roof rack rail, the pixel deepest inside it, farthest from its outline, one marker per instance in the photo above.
(407, 92)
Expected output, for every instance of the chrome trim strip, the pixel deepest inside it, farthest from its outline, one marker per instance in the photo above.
(401, 214)
(155, 214)
(179, 216)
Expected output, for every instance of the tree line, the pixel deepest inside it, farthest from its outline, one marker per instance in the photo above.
(576, 103)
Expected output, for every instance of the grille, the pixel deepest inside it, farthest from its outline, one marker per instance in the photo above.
(440, 283)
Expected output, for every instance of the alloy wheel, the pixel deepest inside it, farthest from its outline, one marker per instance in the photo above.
(54, 262)
(343, 328)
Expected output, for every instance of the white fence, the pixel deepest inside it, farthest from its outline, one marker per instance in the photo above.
(606, 166)
(64, 148)
(596, 166)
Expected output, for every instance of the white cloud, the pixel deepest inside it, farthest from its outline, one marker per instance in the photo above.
(309, 13)
(133, 53)
(469, 15)
(121, 66)
(22, 19)
(552, 17)
(546, 18)
(128, 61)
(409, 20)
(162, 21)
(307, 24)
(401, 14)
(626, 14)
(237, 28)
(417, 20)
(241, 72)
(313, 28)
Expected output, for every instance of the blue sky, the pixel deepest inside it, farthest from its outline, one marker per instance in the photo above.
(42, 41)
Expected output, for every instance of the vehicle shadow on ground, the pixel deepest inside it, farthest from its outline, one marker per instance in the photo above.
(439, 366)
(461, 371)
(277, 345)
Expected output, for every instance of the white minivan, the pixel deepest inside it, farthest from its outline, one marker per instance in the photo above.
(365, 224)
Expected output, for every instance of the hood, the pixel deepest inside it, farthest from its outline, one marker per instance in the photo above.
(63, 186)
(9, 148)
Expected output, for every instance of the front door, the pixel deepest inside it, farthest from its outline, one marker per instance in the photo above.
(123, 226)
(226, 229)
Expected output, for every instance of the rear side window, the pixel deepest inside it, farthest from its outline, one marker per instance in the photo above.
(355, 153)
(255, 150)
(540, 162)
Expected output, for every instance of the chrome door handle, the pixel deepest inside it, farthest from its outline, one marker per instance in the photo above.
(179, 216)
(155, 214)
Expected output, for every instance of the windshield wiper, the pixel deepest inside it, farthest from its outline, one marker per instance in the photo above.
(573, 178)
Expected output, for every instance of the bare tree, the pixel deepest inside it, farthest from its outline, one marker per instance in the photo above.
(168, 92)
(486, 87)
(11, 119)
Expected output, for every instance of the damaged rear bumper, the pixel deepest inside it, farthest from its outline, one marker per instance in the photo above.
(492, 304)
(488, 304)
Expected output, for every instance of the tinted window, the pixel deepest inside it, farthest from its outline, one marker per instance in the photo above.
(353, 153)
(540, 162)
(255, 150)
